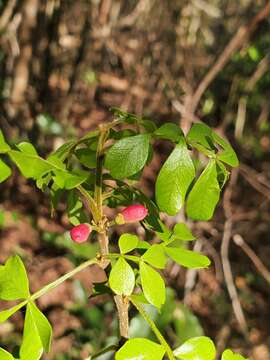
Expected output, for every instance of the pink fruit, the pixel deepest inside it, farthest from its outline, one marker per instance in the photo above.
(80, 233)
(132, 213)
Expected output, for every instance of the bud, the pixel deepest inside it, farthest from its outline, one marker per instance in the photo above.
(80, 233)
(132, 213)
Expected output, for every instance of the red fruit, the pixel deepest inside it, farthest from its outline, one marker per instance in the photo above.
(80, 233)
(132, 213)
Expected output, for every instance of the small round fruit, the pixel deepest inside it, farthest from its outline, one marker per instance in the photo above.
(132, 213)
(80, 233)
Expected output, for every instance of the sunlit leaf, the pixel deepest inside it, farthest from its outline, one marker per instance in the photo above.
(122, 278)
(13, 280)
(188, 258)
(153, 285)
(174, 179)
(155, 256)
(140, 349)
(127, 243)
(127, 156)
(204, 195)
(199, 348)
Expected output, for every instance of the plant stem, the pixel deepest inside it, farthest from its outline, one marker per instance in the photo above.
(128, 257)
(122, 304)
(100, 156)
(63, 278)
(90, 202)
(103, 237)
(56, 283)
(104, 248)
(154, 328)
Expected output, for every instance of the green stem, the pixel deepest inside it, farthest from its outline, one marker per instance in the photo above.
(56, 283)
(90, 202)
(63, 278)
(154, 328)
(98, 184)
(104, 351)
(128, 257)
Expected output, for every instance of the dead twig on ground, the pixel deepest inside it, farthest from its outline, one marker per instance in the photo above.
(238, 239)
(256, 180)
(234, 44)
(227, 235)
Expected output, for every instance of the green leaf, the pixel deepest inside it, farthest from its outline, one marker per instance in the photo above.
(229, 355)
(153, 285)
(228, 155)
(201, 134)
(4, 147)
(169, 131)
(182, 232)
(127, 156)
(13, 280)
(67, 180)
(63, 151)
(204, 195)
(199, 348)
(5, 171)
(127, 243)
(203, 138)
(36, 335)
(5, 314)
(43, 326)
(140, 349)
(188, 258)
(31, 166)
(149, 125)
(174, 179)
(56, 163)
(124, 115)
(143, 245)
(87, 157)
(155, 256)
(122, 278)
(4, 355)
(222, 174)
(27, 148)
(75, 209)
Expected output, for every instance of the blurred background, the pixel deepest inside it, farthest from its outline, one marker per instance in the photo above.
(63, 64)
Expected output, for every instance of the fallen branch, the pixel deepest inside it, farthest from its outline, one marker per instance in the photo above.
(227, 234)
(234, 44)
(237, 238)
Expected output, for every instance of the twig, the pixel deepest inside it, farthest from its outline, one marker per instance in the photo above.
(256, 180)
(227, 234)
(242, 104)
(122, 304)
(7, 13)
(154, 328)
(237, 238)
(234, 44)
